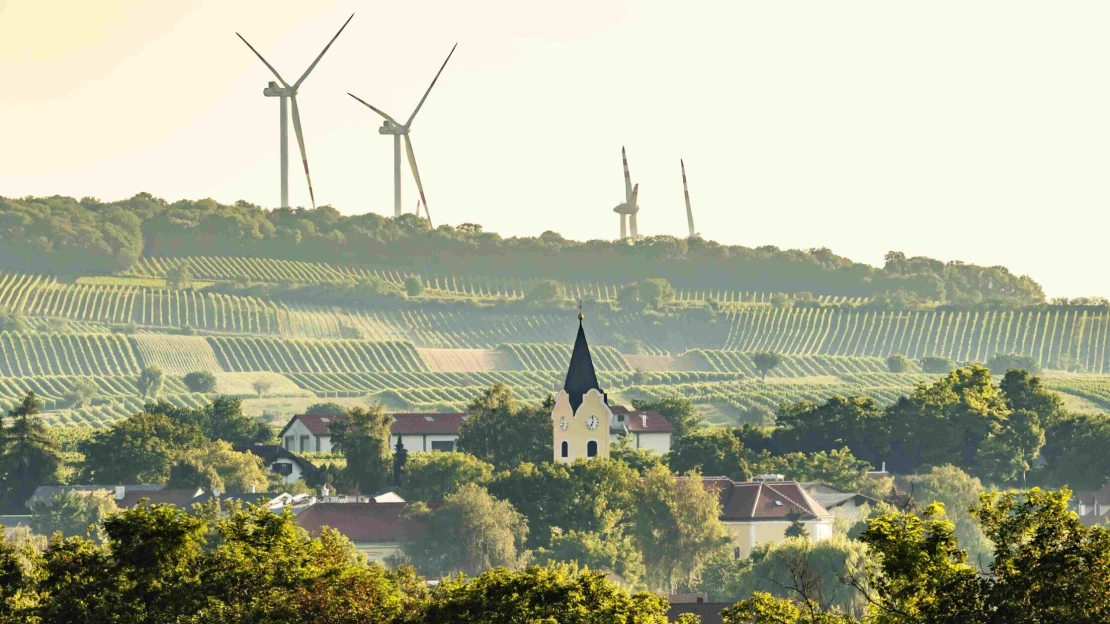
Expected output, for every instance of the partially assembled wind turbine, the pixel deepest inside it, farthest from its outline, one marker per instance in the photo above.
(390, 126)
(629, 208)
(288, 92)
(686, 192)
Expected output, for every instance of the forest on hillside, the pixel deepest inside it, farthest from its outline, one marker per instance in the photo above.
(63, 236)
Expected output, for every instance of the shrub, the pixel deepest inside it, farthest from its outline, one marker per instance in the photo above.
(414, 286)
(898, 363)
(547, 291)
(781, 300)
(936, 365)
(1002, 362)
(200, 381)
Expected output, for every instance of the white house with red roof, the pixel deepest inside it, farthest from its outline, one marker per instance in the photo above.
(648, 428)
(756, 512)
(306, 433)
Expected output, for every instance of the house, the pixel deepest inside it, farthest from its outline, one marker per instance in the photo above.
(755, 512)
(708, 612)
(376, 529)
(1093, 507)
(417, 432)
(649, 429)
(281, 461)
(46, 493)
(834, 499)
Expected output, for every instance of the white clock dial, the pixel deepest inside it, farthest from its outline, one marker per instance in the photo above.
(592, 422)
(563, 424)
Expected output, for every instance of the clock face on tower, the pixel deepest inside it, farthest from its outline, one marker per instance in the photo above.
(592, 422)
(563, 424)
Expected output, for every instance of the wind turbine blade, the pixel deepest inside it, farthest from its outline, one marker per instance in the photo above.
(413, 116)
(632, 200)
(272, 70)
(300, 144)
(313, 65)
(686, 192)
(416, 174)
(627, 178)
(375, 109)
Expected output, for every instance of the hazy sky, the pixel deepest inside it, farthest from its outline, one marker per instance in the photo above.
(971, 130)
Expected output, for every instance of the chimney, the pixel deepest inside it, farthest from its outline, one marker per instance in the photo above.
(215, 493)
(643, 420)
(120, 491)
(884, 466)
(252, 489)
(324, 491)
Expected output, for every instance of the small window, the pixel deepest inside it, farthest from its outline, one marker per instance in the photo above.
(446, 446)
(289, 443)
(591, 448)
(736, 552)
(317, 444)
(304, 443)
(565, 449)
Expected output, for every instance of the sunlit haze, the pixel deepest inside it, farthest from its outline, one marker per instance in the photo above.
(971, 131)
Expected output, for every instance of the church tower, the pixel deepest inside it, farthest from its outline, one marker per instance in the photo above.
(581, 417)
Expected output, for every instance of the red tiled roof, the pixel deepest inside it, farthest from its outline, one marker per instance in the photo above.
(762, 500)
(361, 522)
(403, 423)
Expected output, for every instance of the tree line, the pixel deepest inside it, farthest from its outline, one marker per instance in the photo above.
(64, 235)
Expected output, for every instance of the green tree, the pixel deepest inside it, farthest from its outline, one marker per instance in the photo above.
(898, 363)
(796, 528)
(555, 593)
(221, 419)
(678, 529)
(400, 458)
(936, 365)
(11, 321)
(613, 551)
(138, 449)
(839, 468)
(28, 456)
(656, 293)
(200, 381)
(432, 476)
(1023, 391)
(781, 301)
(1072, 451)
(363, 438)
(414, 286)
(72, 513)
(712, 451)
(218, 466)
(546, 292)
(679, 411)
(765, 362)
(470, 532)
(82, 393)
(1008, 455)
(1000, 363)
(178, 275)
(853, 422)
(957, 492)
(502, 432)
(151, 381)
(261, 386)
(325, 409)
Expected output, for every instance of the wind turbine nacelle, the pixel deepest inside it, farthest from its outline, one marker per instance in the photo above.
(273, 90)
(388, 127)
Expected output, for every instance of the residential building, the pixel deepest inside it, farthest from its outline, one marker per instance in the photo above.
(417, 432)
(46, 493)
(648, 428)
(1092, 507)
(756, 512)
(281, 461)
(836, 500)
(376, 529)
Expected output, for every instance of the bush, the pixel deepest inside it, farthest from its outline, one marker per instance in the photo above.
(655, 292)
(200, 381)
(936, 365)
(781, 300)
(414, 286)
(11, 321)
(547, 291)
(178, 276)
(1002, 362)
(898, 363)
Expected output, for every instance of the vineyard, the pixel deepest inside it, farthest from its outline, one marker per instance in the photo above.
(556, 357)
(245, 353)
(26, 354)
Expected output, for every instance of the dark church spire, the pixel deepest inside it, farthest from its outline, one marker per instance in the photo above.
(581, 377)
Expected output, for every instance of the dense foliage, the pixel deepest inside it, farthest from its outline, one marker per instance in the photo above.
(59, 234)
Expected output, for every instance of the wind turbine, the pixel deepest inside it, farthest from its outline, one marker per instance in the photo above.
(390, 126)
(288, 92)
(686, 192)
(629, 208)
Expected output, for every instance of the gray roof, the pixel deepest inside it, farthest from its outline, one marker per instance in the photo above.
(48, 492)
(831, 497)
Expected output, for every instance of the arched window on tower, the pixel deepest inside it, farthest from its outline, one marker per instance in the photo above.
(591, 448)
(565, 449)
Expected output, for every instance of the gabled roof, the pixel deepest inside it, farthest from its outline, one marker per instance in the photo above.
(361, 522)
(763, 500)
(270, 453)
(48, 492)
(647, 421)
(581, 377)
(404, 423)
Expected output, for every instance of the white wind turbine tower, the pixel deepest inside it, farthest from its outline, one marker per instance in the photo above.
(629, 208)
(288, 92)
(390, 126)
(686, 192)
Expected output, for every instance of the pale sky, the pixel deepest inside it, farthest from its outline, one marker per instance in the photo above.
(970, 130)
